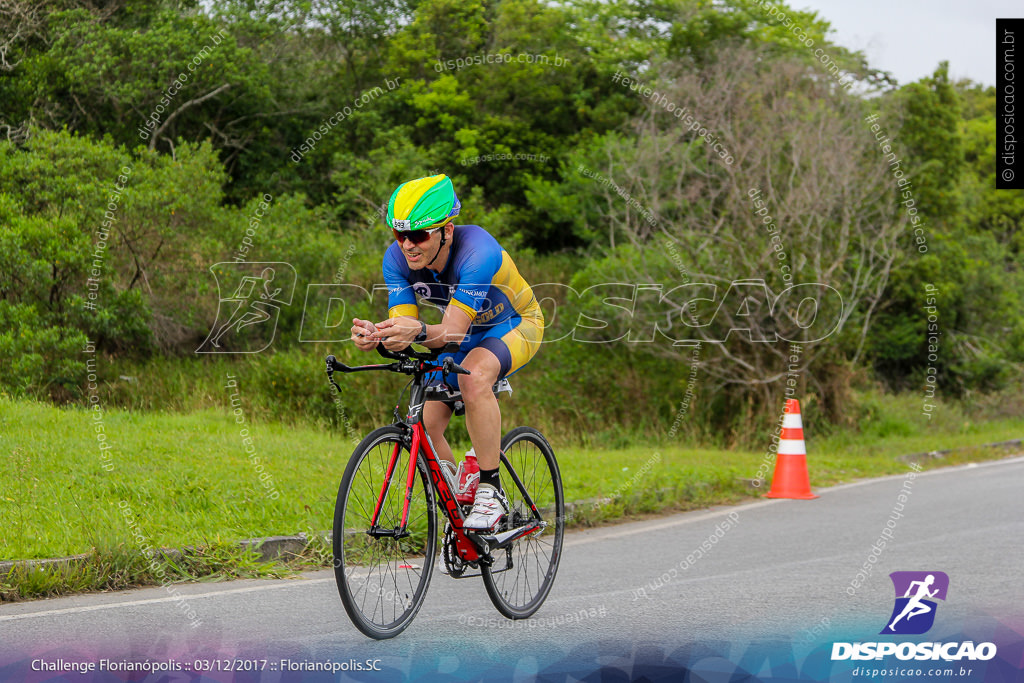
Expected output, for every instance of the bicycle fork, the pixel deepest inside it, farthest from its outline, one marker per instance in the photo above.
(472, 549)
(400, 531)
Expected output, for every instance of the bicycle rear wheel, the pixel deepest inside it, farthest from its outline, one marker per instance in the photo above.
(382, 580)
(522, 574)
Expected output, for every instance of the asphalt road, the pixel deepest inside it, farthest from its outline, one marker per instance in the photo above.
(779, 572)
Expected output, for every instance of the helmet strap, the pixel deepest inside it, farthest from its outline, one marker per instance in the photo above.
(439, 248)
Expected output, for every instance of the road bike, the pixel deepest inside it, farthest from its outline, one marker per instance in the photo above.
(385, 532)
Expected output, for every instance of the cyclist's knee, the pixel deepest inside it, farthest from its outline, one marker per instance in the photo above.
(484, 369)
(476, 385)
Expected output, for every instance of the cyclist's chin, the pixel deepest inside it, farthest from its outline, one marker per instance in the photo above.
(416, 261)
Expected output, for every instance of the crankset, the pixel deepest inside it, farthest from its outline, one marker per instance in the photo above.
(454, 564)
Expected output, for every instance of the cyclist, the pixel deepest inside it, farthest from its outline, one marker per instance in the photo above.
(488, 306)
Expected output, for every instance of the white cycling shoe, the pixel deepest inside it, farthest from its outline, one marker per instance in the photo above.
(488, 507)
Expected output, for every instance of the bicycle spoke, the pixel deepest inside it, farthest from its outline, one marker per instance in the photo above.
(381, 582)
(519, 587)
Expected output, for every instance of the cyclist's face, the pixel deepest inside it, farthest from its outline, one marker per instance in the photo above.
(419, 255)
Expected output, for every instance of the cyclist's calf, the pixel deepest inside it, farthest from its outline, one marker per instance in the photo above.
(436, 416)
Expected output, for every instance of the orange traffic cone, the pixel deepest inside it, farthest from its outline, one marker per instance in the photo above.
(791, 480)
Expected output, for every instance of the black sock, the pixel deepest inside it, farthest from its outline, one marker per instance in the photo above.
(490, 477)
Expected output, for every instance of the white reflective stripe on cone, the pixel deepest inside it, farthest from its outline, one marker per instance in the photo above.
(787, 447)
(792, 421)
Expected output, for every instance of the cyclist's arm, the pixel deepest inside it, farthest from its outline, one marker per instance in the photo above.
(452, 328)
(475, 272)
(398, 331)
(402, 325)
(468, 298)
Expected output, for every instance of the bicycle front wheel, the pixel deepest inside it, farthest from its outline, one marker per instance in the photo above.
(383, 572)
(522, 574)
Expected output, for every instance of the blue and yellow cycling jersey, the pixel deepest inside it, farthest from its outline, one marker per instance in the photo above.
(481, 279)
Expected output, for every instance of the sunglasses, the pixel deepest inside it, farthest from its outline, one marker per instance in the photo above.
(414, 236)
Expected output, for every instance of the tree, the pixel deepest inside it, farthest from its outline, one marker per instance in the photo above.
(944, 135)
(932, 142)
(795, 201)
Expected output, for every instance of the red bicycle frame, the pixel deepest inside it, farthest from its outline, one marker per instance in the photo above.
(470, 549)
(451, 506)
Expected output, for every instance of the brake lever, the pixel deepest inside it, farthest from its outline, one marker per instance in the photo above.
(447, 363)
(331, 361)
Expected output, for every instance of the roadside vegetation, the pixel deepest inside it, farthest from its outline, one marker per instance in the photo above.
(184, 483)
(712, 217)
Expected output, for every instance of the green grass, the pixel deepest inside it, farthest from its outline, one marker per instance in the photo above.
(187, 481)
(121, 567)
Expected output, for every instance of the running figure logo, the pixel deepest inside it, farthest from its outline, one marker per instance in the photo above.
(914, 612)
(247, 316)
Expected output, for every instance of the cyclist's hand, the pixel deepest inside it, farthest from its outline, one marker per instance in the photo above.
(397, 333)
(361, 331)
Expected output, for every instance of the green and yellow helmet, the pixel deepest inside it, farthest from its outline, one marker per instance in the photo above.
(423, 203)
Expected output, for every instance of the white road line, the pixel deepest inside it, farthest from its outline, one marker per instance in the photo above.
(583, 538)
(690, 518)
(927, 473)
(153, 601)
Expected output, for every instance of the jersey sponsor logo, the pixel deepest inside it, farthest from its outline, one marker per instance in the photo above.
(487, 315)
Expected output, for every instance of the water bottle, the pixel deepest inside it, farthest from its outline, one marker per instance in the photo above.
(468, 478)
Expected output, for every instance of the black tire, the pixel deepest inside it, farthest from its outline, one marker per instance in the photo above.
(519, 591)
(382, 581)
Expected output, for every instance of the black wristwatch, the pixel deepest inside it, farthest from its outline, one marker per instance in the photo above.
(422, 336)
